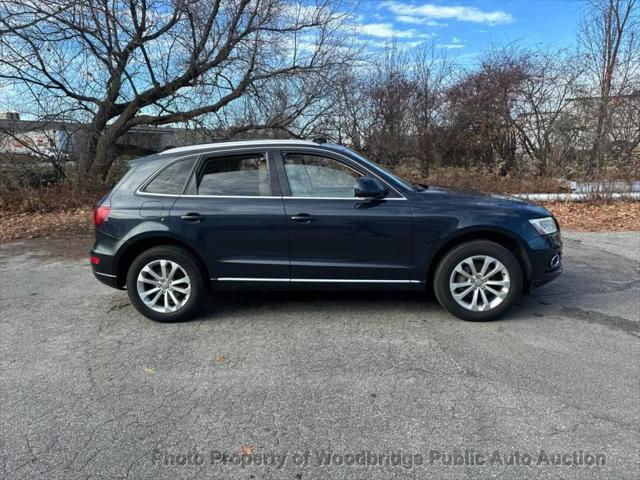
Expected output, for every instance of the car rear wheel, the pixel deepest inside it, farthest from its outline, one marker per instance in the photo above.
(478, 281)
(165, 284)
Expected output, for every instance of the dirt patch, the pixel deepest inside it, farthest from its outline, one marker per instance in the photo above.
(50, 249)
(622, 215)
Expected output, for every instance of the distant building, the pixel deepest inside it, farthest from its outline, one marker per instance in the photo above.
(51, 137)
(55, 136)
(9, 116)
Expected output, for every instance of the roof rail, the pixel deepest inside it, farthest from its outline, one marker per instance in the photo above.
(320, 140)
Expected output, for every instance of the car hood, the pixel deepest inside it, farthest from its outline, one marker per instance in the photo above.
(471, 198)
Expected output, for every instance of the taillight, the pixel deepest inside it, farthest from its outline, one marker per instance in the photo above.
(100, 214)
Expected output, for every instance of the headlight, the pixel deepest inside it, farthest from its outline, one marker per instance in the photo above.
(544, 226)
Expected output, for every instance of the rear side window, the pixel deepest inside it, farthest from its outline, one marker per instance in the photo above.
(246, 175)
(172, 179)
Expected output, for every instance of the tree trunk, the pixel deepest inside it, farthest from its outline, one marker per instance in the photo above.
(102, 159)
(87, 144)
(92, 147)
(596, 150)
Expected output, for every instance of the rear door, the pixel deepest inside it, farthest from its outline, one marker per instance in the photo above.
(232, 213)
(335, 237)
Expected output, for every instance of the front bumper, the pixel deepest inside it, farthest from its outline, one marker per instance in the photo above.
(546, 259)
(546, 277)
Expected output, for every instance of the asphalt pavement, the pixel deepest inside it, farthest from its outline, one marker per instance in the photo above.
(319, 385)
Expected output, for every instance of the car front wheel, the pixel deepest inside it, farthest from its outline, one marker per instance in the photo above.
(165, 284)
(478, 280)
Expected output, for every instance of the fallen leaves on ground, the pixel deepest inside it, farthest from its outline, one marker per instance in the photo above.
(620, 215)
(66, 223)
(247, 450)
(219, 360)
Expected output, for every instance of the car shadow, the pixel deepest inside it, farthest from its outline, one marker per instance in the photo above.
(230, 304)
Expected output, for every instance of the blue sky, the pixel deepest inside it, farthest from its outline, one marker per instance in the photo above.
(467, 27)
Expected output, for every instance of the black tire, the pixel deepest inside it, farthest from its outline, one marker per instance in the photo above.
(454, 257)
(189, 265)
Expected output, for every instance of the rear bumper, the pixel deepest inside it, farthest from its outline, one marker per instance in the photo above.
(107, 279)
(105, 270)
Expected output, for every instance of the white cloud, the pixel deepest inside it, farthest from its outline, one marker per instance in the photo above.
(454, 44)
(429, 11)
(449, 46)
(385, 30)
(419, 21)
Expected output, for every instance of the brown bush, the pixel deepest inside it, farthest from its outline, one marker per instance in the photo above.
(56, 198)
(478, 178)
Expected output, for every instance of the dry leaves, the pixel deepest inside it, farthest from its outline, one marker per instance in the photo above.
(20, 226)
(621, 215)
(219, 360)
(149, 370)
(247, 450)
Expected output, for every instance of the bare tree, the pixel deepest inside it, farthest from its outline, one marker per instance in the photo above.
(609, 38)
(481, 112)
(121, 64)
(350, 120)
(391, 91)
(432, 71)
(550, 82)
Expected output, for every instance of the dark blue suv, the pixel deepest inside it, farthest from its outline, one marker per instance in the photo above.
(285, 213)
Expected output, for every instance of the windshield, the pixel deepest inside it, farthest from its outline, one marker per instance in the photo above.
(377, 168)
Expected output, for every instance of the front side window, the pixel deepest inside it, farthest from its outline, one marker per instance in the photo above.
(172, 179)
(233, 176)
(317, 176)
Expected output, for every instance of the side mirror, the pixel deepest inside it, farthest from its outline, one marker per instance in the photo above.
(369, 187)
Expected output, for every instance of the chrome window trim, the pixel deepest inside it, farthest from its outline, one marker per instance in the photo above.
(360, 199)
(312, 280)
(270, 197)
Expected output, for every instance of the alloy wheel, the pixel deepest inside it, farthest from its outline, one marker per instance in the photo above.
(163, 286)
(479, 283)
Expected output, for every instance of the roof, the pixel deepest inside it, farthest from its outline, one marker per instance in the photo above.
(241, 143)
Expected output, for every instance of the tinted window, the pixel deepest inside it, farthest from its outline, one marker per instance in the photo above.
(171, 180)
(316, 176)
(238, 175)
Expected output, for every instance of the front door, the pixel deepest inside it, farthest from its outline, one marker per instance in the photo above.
(336, 237)
(232, 211)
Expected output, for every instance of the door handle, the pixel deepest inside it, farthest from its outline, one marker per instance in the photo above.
(191, 217)
(302, 218)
